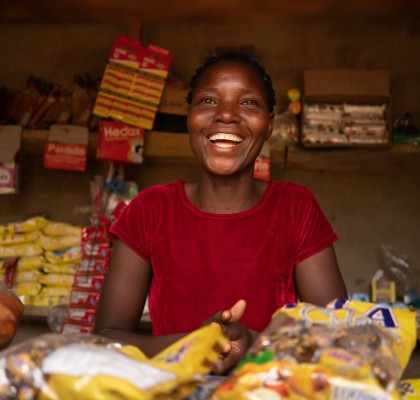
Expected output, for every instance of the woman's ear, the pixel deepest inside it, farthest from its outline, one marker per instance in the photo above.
(270, 126)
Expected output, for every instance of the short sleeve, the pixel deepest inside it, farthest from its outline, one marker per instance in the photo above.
(133, 227)
(313, 232)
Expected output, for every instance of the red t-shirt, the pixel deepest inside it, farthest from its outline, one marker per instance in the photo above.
(203, 263)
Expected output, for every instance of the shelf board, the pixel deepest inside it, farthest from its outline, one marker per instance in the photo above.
(167, 147)
(385, 159)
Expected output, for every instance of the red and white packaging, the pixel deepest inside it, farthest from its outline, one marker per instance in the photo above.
(76, 327)
(262, 164)
(132, 53)
(66, 147)
(84, 315)
(120, 143)
(98, 250)
(89, 282)
(93, 265)
(84, 298)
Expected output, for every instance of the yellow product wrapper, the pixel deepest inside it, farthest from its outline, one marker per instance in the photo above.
(348, 350)
(48, 301)
(56, 280)
(29, 225)
(27, 288)
(30, 276)
(55, 290)
(28, 263)
(409, 389)
(12, 239)
(72, 255)
(61, 229)
(64, 268)
(53, 243)
(21, 250)
(74, 366)
(398, 323)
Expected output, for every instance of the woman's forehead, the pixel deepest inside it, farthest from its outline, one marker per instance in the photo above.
(230, 69)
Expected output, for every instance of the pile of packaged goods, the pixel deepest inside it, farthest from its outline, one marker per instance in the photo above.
(76, 366)
(42, 104)
(89, 278)
(349, 350)
(133, 82)
(343, 124)
(39, 258)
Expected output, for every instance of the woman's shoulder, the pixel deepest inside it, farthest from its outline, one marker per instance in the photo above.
(157, 194)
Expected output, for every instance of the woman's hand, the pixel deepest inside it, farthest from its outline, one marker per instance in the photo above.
(240, 337)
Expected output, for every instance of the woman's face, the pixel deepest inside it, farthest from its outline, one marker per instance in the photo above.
(229, 120)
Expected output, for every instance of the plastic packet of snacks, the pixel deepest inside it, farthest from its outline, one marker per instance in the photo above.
(349, 350)
(79, 366)
(409, 389)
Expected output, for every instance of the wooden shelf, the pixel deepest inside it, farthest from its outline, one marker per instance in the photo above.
(166, 146)
(385, 159)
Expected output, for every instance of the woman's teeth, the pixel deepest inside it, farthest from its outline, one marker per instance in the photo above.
(225, 137)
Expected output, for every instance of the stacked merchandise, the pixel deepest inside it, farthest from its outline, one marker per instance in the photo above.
(42, 104)
(96, 251)
(365, 123)
(321, 123)
(133, 83)
(38, 259)
(344, 124)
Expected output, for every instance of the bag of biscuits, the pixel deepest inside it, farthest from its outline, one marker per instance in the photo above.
(347, 350)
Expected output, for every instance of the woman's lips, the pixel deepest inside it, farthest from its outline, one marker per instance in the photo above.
(225, 140)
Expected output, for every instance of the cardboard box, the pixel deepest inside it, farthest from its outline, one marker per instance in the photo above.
(120, 143)
(174, 101)
(66, 147)
(10, 136)
(384, 290)
(348, 86)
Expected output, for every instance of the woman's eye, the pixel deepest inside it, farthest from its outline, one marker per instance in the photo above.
(206, 100)
(249, 102)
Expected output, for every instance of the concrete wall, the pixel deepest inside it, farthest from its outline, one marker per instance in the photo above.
(365, 209)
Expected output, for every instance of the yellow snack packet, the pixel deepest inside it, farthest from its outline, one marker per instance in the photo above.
(21, 250)
(409, 389)
(23, 276)
(48, 301)
(346, 350)
(72, 255)
(35, 262)
(398, 323)
(63, 268)
(18, 238)
(53, 243)
(56, 279)
(29, 225)
(61, 229)
(75, 366)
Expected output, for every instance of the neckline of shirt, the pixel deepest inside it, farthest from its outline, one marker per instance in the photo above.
(257, 206)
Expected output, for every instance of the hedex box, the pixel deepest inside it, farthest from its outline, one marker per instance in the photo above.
(120, 143)
(130, 52)
(10, 136)
(66, 147)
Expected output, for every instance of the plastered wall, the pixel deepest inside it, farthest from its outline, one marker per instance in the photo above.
(366, 209)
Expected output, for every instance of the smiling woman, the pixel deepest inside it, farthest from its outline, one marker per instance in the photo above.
(227, 248)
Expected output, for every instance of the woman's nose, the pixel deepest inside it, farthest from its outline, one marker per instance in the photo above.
(228, 113)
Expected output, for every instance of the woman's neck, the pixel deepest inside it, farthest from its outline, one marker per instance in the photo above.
(225, 195)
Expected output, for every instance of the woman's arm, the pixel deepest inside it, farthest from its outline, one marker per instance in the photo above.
(318, 279)
(122, 301)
